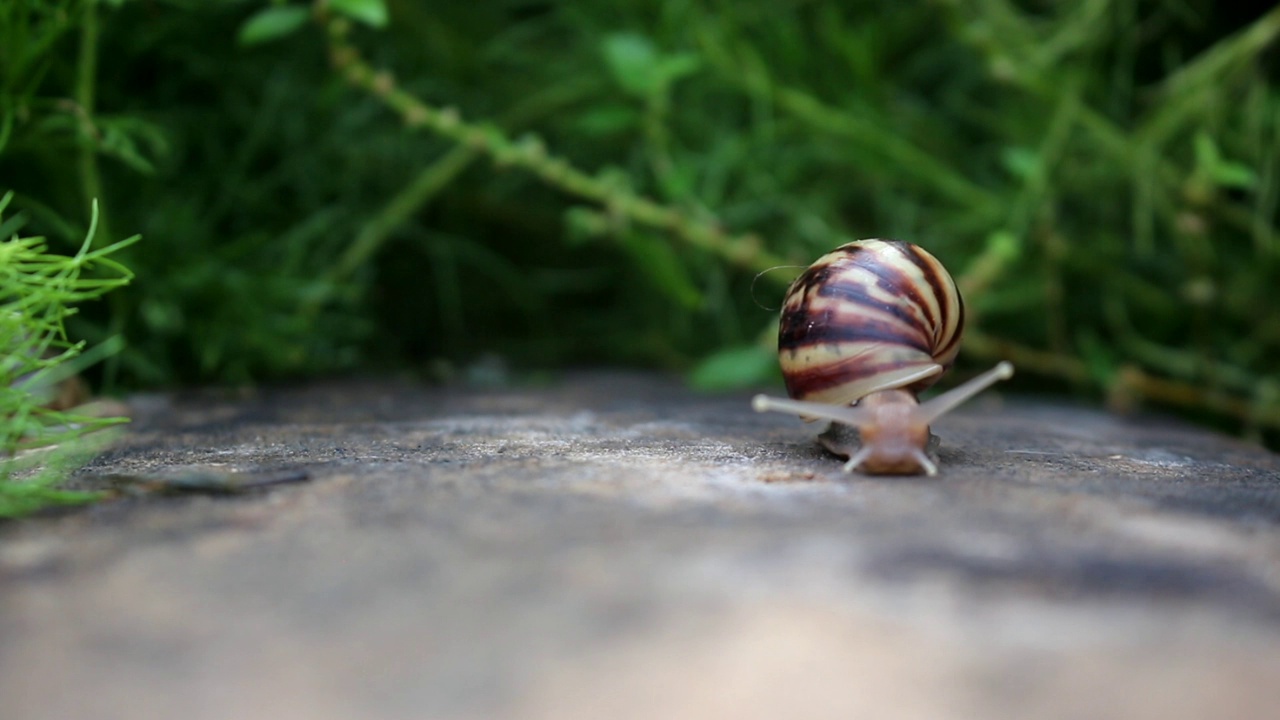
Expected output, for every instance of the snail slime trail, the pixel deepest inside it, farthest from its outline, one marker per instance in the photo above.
(864, 330)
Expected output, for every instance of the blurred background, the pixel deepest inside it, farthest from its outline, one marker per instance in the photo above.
(491, 191)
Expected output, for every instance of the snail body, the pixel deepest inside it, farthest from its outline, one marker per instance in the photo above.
(864, 329)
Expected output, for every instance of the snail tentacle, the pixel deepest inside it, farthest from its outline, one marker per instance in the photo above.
(939, 405)
(811, 410)
(856, 459)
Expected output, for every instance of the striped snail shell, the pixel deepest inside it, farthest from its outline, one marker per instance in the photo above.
(868, 316)
(864, 329)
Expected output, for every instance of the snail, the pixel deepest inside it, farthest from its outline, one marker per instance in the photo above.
(864, 329)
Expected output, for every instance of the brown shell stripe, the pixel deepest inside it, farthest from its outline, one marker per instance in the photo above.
(946, 340)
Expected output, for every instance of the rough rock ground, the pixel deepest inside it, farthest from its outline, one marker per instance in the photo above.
(614, 546)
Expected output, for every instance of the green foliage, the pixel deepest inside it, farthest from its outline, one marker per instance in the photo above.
(370, 12)
(578, 182)
(272, 23)
(40, 444)
(735, 367)
(280, 20)
(639, 69)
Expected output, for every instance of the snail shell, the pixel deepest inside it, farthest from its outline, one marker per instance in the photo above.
(869, 315)
(864, 329)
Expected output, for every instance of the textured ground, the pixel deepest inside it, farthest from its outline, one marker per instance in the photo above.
(616, 547)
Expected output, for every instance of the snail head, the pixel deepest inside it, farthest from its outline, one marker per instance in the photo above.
(893, 426)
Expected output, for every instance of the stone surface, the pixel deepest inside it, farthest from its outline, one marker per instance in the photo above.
(615, 546)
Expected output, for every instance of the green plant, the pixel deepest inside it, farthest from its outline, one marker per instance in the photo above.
(634, 182)
(1003, 167)
(40, 441)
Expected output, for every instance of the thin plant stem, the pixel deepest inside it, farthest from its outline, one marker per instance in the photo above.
(375, 232)
(86, 101)
(621, 203)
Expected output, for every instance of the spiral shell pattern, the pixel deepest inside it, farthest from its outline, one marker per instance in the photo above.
(870, 315)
